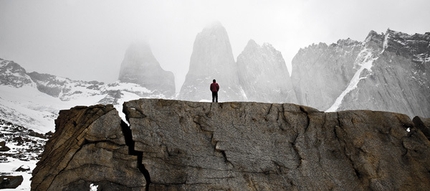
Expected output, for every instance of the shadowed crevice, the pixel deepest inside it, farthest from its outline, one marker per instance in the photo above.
(130, 143)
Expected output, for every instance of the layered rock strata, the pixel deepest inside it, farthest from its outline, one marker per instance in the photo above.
(178, 145)
(88, 147)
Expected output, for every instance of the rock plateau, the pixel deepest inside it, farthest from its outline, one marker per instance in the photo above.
(180, 145)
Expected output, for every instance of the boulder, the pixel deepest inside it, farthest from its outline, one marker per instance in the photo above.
(3, 146)
(10, 181)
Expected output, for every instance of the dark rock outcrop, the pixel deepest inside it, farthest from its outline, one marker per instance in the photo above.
(423, 124)
(263, 74)
(141, 67)
(234, 146)
(3, 146)
(10, 181)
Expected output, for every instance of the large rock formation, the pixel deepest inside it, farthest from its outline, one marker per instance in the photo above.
(178, 145)
(212, 58)
(263, 74)
(388, 72)
(398, 79)
(140, 66)
(321, 72)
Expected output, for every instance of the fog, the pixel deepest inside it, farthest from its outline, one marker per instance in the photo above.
(87, 40)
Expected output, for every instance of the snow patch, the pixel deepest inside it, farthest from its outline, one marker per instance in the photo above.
(385, 44)
(93, 187)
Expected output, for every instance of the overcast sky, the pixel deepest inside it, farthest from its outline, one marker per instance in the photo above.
(87, 39)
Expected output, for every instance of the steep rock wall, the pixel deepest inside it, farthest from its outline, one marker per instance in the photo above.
(212, 58)
(141, 67)
(178, 145)
(263, 75)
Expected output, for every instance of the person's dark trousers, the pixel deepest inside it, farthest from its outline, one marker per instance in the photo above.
(214, 96)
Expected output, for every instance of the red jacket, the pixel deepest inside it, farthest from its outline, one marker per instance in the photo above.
(214, 87)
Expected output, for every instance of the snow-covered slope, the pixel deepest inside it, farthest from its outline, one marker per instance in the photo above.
(33, 100)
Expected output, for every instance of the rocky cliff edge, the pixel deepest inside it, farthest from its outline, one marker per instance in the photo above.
(179, 145)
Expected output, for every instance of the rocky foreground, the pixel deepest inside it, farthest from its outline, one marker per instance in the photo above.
(19, 151)
(178, 145)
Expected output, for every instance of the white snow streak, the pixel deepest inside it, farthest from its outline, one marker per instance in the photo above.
(366, 64)
(385, 44)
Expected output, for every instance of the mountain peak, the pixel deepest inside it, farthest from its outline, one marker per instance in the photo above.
(141, 67)
(214, 24)
(212, 58)
(12, 74)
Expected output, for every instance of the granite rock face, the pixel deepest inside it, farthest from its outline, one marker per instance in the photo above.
(141, 67)
(321, 72)
(212, 58)
(399, 78)
(386, 72)
(179, 145)
(263, 74)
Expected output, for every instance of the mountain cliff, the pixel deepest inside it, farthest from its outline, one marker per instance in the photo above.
(141, 67)
(212, 58)
(321, 72)
(178, 145)
(263, 74)
(398, 79)
(386, 72)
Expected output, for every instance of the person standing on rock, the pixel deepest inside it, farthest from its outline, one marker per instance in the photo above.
(214, 89)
